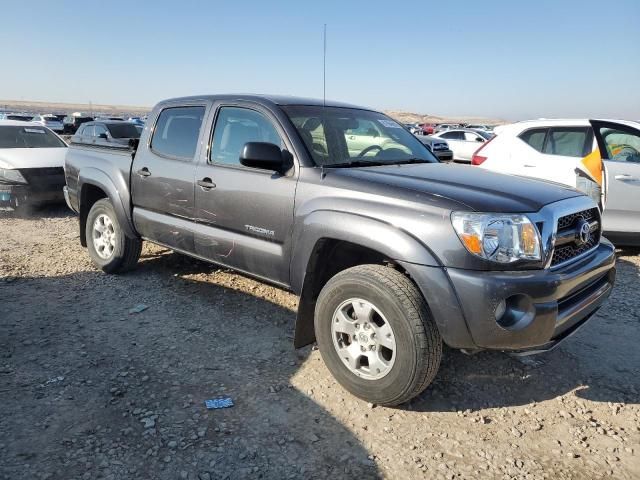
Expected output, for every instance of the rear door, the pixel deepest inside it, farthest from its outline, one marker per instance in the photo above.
(557, 152)
(162, 177)
(244, 215)
(620, 149)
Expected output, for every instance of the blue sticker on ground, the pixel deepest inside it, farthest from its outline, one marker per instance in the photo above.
(223, 402)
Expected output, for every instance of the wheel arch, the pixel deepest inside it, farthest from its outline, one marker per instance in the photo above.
(330, 242)
(94, 185)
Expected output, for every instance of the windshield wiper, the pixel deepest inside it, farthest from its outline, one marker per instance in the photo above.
(357, 163)
(407, 161)
(376, 163)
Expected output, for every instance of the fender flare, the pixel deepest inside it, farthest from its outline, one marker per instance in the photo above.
(387, 239)
(98, 178)
(368, 232)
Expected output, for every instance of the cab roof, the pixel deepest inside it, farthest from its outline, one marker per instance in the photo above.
(280, 100)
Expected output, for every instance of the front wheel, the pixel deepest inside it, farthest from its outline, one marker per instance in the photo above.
(376, 335)
(109, 248)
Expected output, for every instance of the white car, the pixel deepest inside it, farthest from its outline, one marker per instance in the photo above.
(464, 142)
(50, 121)
(31, 164)
(599, 157)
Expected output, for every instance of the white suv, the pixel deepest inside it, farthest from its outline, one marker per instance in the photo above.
(598, 157)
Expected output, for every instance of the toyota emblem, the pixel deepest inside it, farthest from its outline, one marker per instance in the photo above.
(583, 232)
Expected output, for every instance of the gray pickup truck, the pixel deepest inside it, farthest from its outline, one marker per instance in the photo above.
(391, 252)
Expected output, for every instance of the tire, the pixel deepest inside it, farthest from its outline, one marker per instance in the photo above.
(396, 300)
(122, 252)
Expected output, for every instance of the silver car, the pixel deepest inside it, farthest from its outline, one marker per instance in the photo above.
(50, 121)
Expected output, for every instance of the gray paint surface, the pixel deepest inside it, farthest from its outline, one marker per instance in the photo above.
(268, 224)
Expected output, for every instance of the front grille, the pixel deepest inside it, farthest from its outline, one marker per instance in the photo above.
(570, 220)
(572, 250)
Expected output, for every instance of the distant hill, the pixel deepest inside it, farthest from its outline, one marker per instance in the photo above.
(409, 117)
(129, 110)
(60, 107)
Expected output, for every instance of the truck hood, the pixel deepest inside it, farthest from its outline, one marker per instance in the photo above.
(473, 188)
(14, 158)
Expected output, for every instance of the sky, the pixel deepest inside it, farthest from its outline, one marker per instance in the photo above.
(500, 59)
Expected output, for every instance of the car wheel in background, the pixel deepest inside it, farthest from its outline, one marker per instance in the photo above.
(376, 334)
(109, 248)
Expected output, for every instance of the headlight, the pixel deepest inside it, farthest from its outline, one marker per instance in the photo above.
(501, 238)
(11, 176)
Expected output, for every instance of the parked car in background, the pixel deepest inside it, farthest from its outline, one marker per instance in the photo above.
(31, 165)
(106, 132)
(427, 128)
(464, 142)
(438, 147)
(600, 158)
(49, 121)
(478, 126)
(443, 127)
(136, 120)
(412, 128)
(73, 121)
(391, 252)
(106, 117)
(20, 117)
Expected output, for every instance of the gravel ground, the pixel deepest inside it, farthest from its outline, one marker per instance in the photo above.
(89, 389)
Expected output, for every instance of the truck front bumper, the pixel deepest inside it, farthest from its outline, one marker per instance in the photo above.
(542, 307)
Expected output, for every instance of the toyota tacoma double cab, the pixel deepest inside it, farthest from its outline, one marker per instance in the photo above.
(392, 253)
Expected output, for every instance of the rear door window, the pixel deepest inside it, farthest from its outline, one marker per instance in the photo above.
(569, 142)
(534, 138)
(453, 135)
(177, 131)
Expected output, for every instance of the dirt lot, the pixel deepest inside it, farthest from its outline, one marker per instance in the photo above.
(89, 390)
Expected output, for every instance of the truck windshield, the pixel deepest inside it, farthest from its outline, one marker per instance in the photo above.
(336, 136)
(123, 130)
(28, 137)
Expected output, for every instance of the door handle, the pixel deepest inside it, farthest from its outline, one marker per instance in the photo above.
(529, 166)
(206, 183)
(144, 172)
(624, 177)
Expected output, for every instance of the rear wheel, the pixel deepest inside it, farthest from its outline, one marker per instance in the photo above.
(376, 334)
(109, 248)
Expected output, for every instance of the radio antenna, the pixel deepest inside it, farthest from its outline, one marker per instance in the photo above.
(324, 67)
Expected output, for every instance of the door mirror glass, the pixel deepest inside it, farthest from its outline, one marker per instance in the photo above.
(266, 156)
(103, 136)
(479, 139)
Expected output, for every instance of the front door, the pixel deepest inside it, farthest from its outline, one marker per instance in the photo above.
(162, 178)
(620, 149)
(244, 215)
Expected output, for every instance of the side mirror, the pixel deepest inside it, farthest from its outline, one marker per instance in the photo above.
(103, 136)
(479, 139)
(266, 156)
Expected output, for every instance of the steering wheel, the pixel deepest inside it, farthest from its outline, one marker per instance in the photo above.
(628, 153)
(369, 149)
